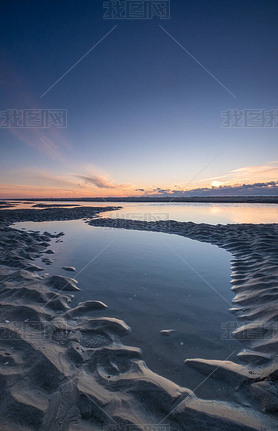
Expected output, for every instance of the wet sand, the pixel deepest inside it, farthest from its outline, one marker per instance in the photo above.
(52, 214)
(66, 368)
(4, 204)
(53, 205)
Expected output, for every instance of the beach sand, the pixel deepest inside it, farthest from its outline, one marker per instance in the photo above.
(66, 368)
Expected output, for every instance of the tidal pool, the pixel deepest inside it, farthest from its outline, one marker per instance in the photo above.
(153, 281)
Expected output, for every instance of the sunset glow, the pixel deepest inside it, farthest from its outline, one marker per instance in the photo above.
(156, 127)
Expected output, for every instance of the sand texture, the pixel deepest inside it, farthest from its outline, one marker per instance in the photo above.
(66, 368)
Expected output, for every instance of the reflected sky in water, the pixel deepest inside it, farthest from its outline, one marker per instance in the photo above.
(152, 281)
(195, 212)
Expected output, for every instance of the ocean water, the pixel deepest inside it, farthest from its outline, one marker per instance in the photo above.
(199, 212)
(211, 213)
(152, 281)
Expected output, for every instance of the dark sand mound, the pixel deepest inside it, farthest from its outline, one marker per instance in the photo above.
(64, 368)
(51, 213)
(54, 205)
(5, 204)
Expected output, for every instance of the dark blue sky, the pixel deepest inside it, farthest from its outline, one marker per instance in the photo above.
(141, 112)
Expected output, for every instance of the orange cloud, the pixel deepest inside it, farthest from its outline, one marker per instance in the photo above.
(248, 175)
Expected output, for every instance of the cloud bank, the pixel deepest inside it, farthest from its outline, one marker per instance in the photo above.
(257, 189)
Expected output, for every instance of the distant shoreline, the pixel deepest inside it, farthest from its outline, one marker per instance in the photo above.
(192, 199)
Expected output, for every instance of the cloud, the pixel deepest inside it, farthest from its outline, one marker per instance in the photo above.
(244, 181)
(99, 181)
(248, 174)
(162, 191)
(270, 168)
(30, 180)
(44, 178)
(249, 180)
(257, 189)
(49, 142)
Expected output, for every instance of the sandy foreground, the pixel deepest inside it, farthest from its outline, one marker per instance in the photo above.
(65, 368)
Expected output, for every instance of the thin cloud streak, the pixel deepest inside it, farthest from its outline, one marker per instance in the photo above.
(98, 181)
(249, 174)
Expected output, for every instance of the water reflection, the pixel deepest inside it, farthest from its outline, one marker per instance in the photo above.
(196, 212)
(152, 281)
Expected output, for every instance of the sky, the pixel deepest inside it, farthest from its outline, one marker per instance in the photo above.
(147, 106)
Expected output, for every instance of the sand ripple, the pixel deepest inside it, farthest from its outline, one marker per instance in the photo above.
(64, 368)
